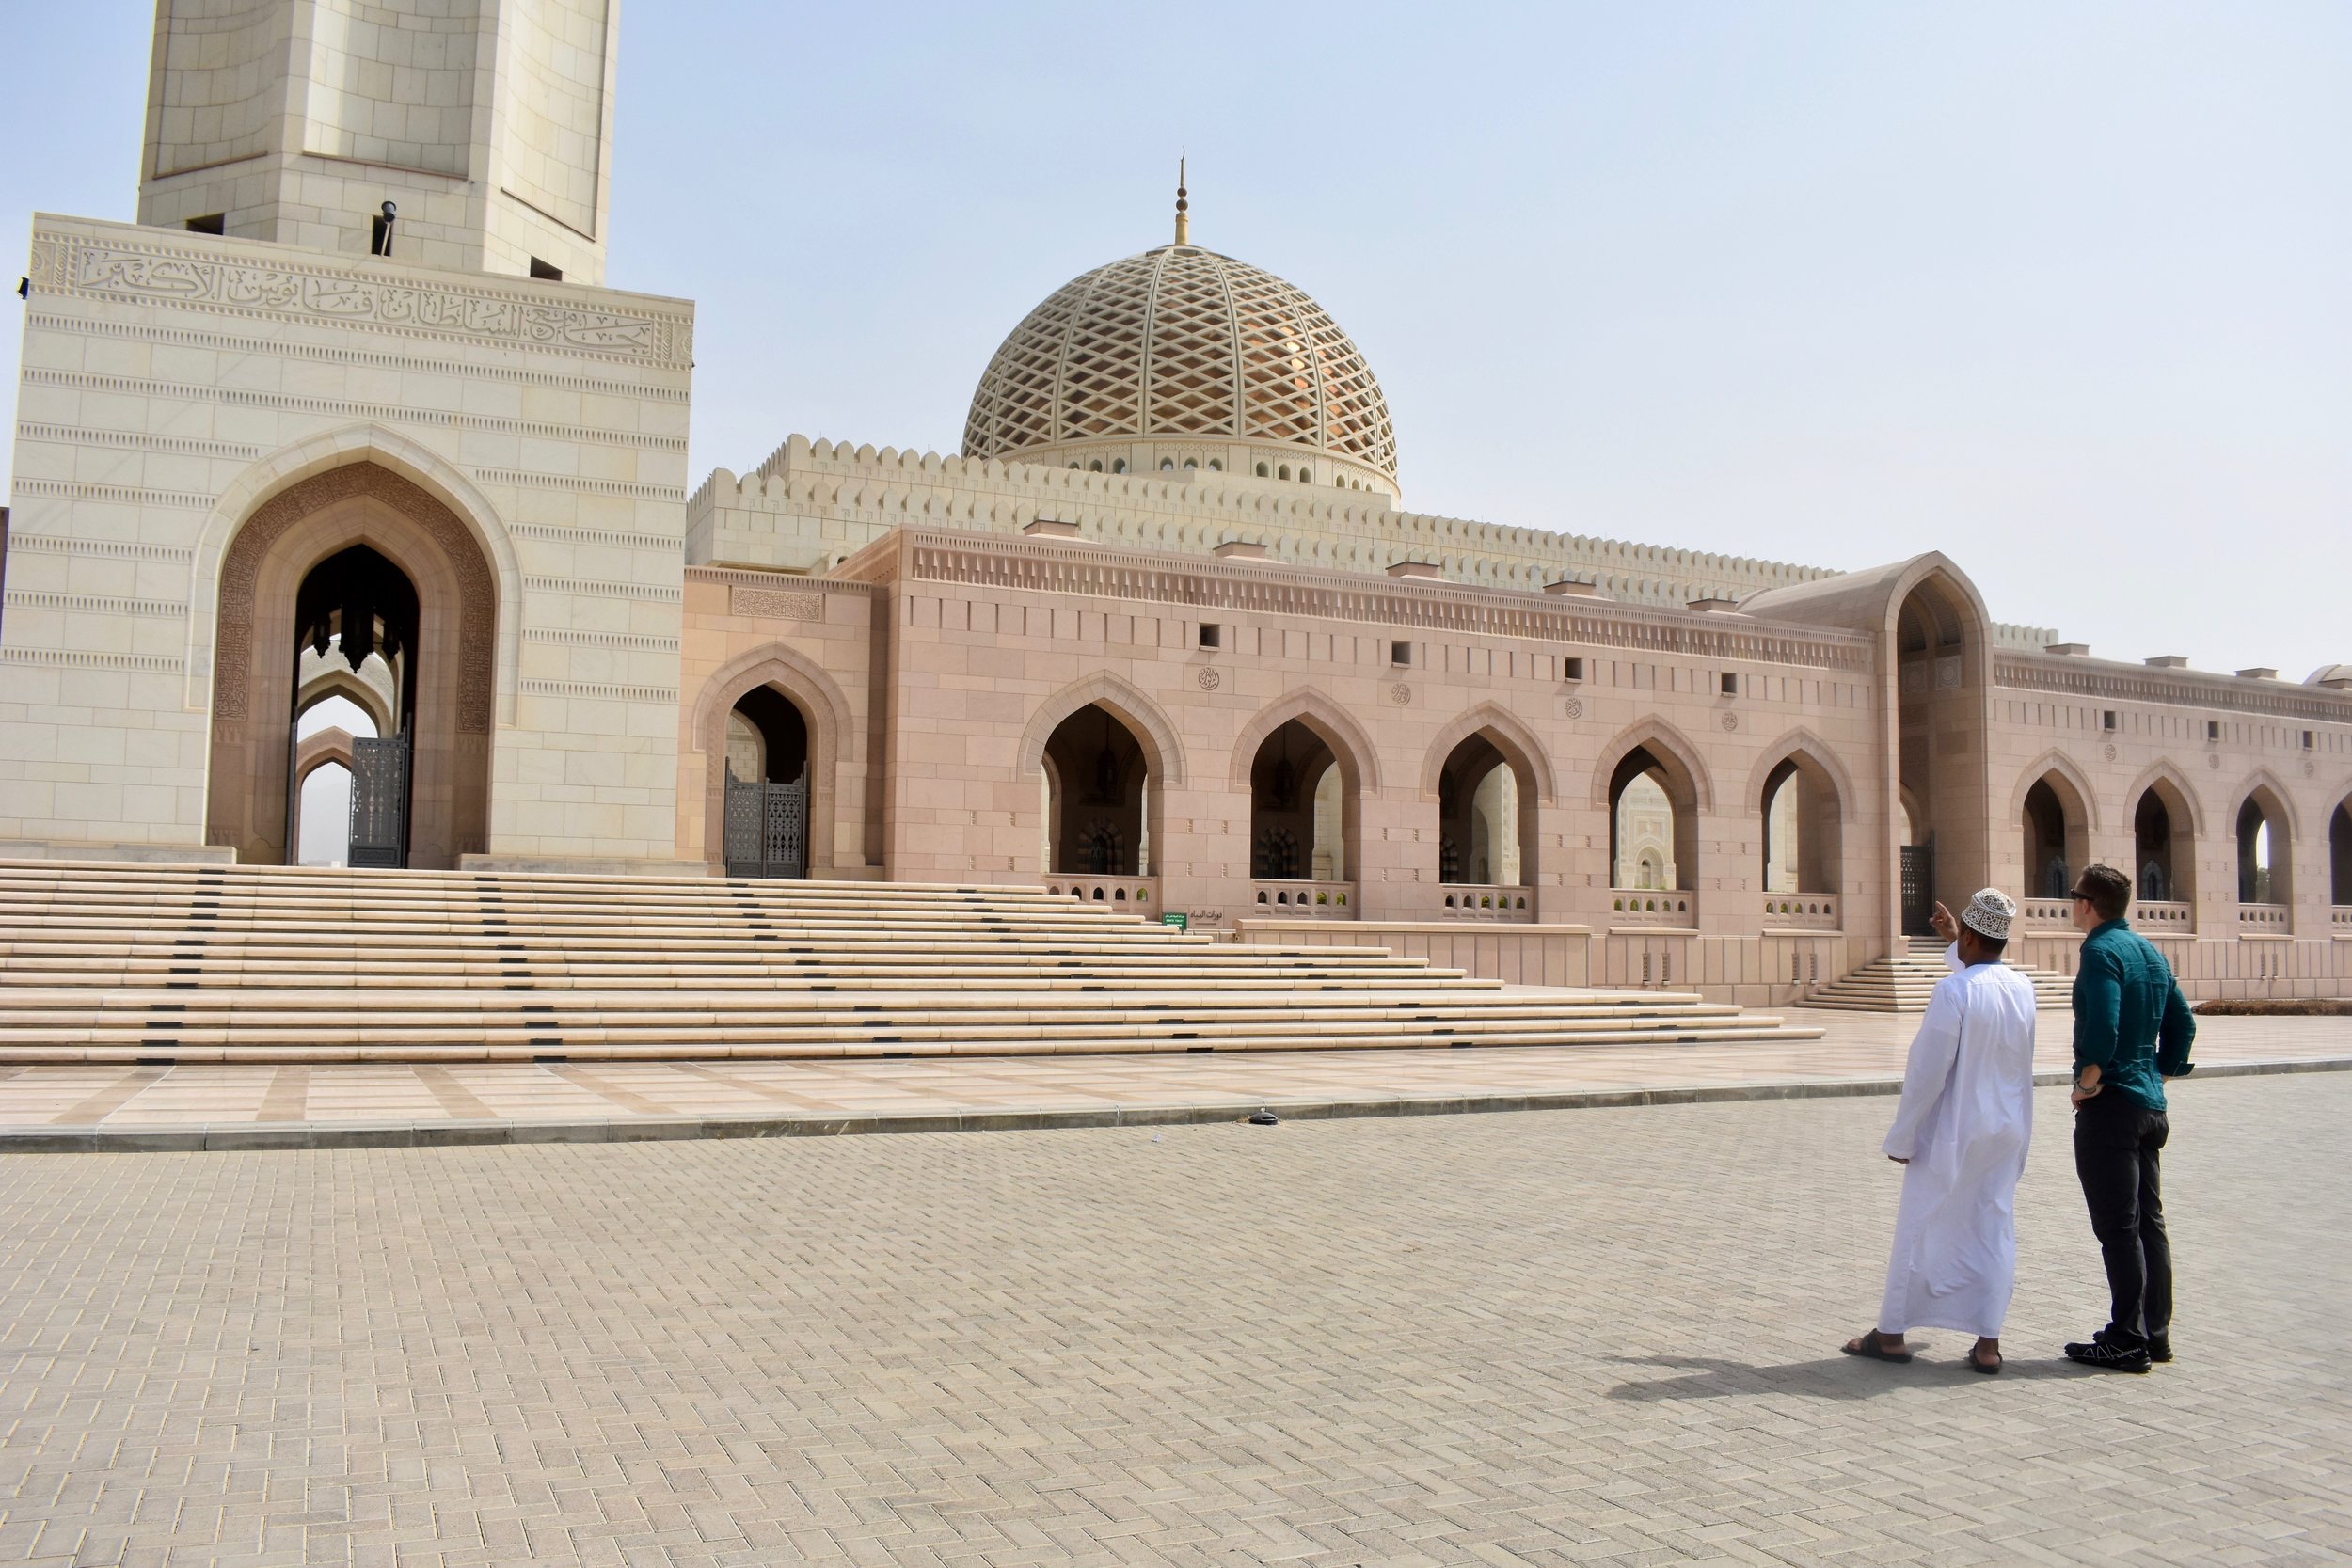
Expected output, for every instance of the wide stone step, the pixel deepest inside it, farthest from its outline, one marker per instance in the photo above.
(263, 964)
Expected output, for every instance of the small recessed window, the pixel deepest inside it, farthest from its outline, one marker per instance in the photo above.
(2306, 740)
(2213, 729)
(1191, 462)
(1731, 684)
(542, 270)
(211, 223)
(1400, 652)
(1575, 668)
(2107, 719)
(1212, 635)
(1263, 472)
(1118, 465)
(1306, 476)
(1283, 472)
(1216, 465)
(1095, 467)
(1168, 464)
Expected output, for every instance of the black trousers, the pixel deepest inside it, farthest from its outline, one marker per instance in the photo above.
(2117, 1142)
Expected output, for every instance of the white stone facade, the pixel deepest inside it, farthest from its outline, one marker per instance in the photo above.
(173, 382)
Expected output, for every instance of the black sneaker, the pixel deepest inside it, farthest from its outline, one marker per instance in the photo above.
(2113, 1358)
(2160, 1348)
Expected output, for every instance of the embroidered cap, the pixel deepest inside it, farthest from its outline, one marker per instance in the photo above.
(1989, 914)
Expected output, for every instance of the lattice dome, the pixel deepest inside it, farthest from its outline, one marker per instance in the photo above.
(1182, 344)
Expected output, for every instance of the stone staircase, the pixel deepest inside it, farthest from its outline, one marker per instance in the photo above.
(1901, 983)
(107, 962)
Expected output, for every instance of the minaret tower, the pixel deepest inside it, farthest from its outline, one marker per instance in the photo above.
(487, 124)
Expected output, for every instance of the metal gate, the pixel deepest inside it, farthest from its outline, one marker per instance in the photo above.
(1918, 889)
(767, 828)
(379, 802)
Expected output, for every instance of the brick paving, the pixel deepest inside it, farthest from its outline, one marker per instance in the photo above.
(1604, 1337)
(1856, 1048)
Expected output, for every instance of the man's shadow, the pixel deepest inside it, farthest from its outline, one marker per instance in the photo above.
(1835, 1377)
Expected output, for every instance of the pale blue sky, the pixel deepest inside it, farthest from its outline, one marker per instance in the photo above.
(2062, 290)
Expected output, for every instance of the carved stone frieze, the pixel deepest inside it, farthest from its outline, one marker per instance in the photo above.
(775, 604)
(115, 268)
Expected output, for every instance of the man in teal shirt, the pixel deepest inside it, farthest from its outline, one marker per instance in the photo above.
(2132, 1030)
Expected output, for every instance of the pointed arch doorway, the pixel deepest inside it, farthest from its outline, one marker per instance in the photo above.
(367, 574)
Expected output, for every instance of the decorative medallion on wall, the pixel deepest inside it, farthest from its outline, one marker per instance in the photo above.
(2110, 751)
(1209, 680)
(1575, 708)
(2310, 769)
(2213, 759)
(1947, 673)
(1731, 720)
(1401, 694)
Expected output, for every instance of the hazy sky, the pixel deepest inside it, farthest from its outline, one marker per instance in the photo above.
(2064, 290)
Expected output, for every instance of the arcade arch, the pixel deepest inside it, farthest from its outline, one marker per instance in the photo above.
(2265, 849)
(1803, 811)
(2054, 820)
(1653, 821)
(2164, 844)
(1294, 783)
(1097, 781)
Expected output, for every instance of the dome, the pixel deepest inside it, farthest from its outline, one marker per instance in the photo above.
(1183, 358)
(2331, 674)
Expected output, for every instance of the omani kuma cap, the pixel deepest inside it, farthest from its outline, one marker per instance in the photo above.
(1989, 912)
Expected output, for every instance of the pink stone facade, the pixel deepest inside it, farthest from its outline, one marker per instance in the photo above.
(952, 656)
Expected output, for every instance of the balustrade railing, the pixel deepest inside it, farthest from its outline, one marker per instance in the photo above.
(1477, 901)
(1803, 912)
(2043, 913)
(2264, 917)
(1636, 907)
(2161, 915)
(1297, 900)
(2344, 918)
(1139, 895)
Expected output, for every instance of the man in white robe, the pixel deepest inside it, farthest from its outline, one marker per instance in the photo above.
(1960, 1133)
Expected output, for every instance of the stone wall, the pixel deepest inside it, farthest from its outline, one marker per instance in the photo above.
(172, 383)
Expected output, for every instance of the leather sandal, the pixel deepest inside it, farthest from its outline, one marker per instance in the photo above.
(1871, 1347)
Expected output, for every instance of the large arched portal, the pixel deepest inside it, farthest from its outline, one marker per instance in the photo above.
(1941, 747)
(767, 785)
(358, 567)
(1098, 782)
(1297, 809)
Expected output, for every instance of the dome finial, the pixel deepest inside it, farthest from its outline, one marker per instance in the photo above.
(1184, 224)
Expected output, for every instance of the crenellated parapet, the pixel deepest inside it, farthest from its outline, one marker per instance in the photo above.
(813, 504)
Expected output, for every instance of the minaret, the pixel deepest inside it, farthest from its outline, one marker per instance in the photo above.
(1184, 224)
(476, 136)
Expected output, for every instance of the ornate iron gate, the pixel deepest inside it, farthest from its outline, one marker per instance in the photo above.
(767, 828)
(379, 802)
(1918, 888)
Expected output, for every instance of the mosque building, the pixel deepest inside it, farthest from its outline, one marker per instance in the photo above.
(347, 427)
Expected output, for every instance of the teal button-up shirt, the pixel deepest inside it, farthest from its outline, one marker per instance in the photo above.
(2130, 1017)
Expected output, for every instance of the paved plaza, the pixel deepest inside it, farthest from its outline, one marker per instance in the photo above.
(1594, 1337)
(198, 1105)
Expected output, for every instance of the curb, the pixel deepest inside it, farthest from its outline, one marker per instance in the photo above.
(208, 1136)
